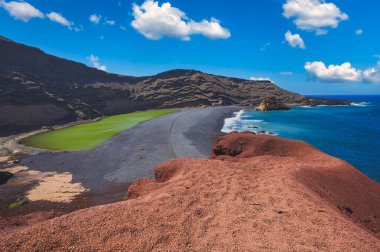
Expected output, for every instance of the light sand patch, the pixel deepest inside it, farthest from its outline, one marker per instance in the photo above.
(50, 186)
(55, 187)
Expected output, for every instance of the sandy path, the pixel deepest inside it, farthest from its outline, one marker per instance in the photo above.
(134, 153)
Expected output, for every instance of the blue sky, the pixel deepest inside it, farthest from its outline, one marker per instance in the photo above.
(244, 38)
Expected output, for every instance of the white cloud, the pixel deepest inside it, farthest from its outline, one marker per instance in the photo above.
(372, 74)
(123, 27)
(260, 79)
(332, 73)
(78, 29)
(342, 73)
(294, 40)
(314, 15)
(286, 73)
(265, 46)
(24, 11)
(211, 29)
(58, 18)
(110, 22)
(94, 18)
(359, 32)
(94, 60)
(21, 10)
(155, 22)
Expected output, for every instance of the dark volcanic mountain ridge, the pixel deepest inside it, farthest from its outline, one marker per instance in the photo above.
(39, 89)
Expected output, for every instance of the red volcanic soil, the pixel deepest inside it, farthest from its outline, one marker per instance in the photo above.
(256, 193)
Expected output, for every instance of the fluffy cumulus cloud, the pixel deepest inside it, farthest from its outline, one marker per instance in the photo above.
(342, 73)
(21, 10)
(155, 22)
(314, 15)
(94, 60)
(294, 40)
(210, 29)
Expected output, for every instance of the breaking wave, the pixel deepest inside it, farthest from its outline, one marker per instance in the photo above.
(239, 122)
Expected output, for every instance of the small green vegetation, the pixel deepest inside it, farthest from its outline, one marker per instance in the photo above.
(13, 159)
(18, 203)
(88, 136)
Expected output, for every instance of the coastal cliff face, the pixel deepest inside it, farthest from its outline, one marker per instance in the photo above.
(255, 193)
(38, 89)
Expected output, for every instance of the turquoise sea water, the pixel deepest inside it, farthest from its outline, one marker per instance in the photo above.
(351, 132)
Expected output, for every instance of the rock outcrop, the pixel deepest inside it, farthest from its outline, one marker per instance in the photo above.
(271, 104)
(256, 193)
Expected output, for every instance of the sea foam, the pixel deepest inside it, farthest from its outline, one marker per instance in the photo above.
(241, 123)
(360, 104)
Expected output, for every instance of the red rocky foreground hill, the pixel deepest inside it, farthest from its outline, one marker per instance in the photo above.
(256, 193)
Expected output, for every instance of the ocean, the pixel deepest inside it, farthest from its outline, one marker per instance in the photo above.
(351, 132)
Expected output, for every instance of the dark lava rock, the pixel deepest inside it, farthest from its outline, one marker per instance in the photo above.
(4, 177)
(270, 104)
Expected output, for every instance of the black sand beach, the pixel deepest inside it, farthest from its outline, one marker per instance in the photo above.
(134, 153)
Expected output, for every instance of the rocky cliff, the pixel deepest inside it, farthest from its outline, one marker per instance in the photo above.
(38, 89)
(257, 193)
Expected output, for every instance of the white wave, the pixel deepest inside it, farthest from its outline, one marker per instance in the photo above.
(233, 123)
(252, 121)
(333, 105)
(241, 123)
(360, 104)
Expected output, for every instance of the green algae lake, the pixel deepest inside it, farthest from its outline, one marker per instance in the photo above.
(90, 135)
